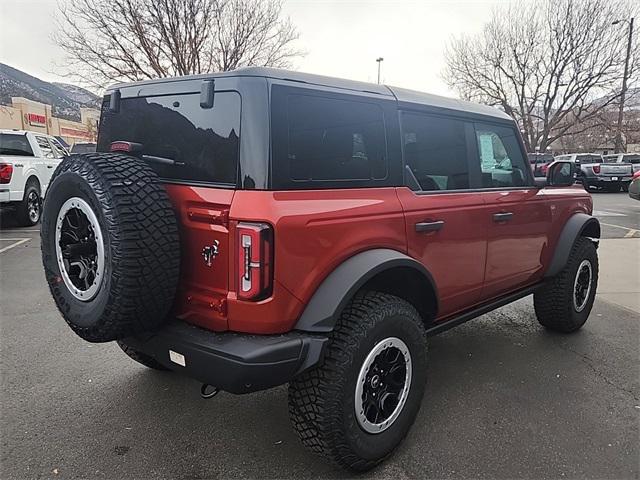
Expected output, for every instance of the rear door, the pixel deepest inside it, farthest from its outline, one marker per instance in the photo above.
(445, 225)
(45, 164)
(195, 151)
(517, 212)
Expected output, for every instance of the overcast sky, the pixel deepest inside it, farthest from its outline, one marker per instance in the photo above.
(341, 38)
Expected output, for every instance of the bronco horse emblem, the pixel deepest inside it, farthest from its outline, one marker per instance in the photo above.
(209, 252)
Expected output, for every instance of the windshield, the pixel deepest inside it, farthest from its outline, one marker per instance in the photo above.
(11, 144)
(178, 138)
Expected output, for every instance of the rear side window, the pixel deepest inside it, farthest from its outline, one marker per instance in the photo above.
(321, 142)
(179, 139)
(15, 145)
(501, 161)
(435, 152)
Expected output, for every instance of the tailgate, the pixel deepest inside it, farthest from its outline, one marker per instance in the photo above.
(203, 218)
(615, 169)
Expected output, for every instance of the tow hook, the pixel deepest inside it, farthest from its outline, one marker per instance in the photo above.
(208, 391)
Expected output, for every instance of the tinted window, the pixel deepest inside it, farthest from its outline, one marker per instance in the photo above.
(180, 140)
(83, 148)
(334, 140)
(58, 150)
(610, 158)
(635, 159)
(501, 160)
(15, 145)
(44, 145)
(586, 158)
(435, 152)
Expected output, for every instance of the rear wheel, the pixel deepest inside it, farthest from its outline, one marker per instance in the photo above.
(565, 302)
(358, 406)
(30, 208)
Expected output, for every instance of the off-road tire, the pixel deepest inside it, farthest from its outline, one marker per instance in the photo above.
(321, 401)
(22, 209)
(140, 357)
(554, 302)
(141, 245)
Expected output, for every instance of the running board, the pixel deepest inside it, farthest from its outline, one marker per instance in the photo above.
(481, 310)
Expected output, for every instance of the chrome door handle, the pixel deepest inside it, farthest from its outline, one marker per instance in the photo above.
(429, 226)
(502, 216)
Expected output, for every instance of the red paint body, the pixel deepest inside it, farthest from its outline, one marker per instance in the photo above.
(472, 259)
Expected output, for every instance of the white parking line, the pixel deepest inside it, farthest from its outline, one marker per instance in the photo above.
(13, 245)
(19, 231)
(606, 213)
(630, 233)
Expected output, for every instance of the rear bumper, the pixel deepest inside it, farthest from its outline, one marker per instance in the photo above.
(5, 195)
(601, 181)
(237, 363)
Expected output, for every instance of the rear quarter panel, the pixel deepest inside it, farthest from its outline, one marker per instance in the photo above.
(315, 231)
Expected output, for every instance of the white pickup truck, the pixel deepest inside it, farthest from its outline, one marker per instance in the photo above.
(27, 162)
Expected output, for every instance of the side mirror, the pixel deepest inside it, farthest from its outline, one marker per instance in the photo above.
(562, 174)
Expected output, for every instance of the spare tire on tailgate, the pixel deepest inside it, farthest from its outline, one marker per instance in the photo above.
(110, 246)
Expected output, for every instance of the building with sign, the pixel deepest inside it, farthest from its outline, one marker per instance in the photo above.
(25, 114)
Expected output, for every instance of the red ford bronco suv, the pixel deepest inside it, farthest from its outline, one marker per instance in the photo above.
(260, 227)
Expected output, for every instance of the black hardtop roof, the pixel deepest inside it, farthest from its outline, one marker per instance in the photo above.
(400, 94)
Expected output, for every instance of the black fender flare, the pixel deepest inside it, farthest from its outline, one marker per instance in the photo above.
(579, 224)
(330, 298)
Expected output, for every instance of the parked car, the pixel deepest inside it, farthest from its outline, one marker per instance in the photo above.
(83, 147)
(634, 187)
(632, 158)
(539, 163)
(316, 236)
(596, 174)
(27, 161)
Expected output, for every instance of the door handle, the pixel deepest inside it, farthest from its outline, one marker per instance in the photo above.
(49, 166)
(502, 216)
(429, 226)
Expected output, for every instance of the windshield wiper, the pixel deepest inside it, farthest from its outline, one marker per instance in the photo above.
(163, 160)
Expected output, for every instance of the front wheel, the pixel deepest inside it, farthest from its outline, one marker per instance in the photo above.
(565, 302)
(358, 405)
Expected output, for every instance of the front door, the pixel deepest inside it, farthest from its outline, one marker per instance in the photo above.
(518, 214)
(445, 222)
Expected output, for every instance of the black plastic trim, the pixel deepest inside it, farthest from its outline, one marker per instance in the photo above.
(447, 324)
(573, 229)
(327, 303)
(234, 362)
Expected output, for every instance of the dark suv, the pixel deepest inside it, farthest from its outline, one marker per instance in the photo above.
(261, 227)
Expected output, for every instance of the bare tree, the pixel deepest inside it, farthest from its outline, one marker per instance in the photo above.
(117, 40)
(553, 65)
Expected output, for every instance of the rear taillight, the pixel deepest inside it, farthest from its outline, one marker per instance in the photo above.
(6, 171)
(254, 260)
(596, 168)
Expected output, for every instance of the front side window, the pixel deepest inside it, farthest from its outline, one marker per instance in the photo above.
(334, 140)
(44, 145)
(501, 161)
(178, 138)
(58, 150)
(435, 152)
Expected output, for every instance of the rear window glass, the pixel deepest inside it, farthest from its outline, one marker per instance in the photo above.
(83, 148)
(540, 158)
(331, 140)
(179, 139)
(589, 158)
(635, 159)
(15, 145)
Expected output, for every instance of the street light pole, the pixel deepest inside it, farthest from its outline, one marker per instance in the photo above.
(379, 60)
(618, 146)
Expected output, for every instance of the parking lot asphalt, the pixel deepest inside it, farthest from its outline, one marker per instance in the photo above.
(505, 398)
